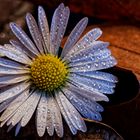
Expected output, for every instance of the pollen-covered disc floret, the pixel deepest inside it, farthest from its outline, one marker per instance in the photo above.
(48, 72)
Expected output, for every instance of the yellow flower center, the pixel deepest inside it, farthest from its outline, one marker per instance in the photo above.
(48, 72)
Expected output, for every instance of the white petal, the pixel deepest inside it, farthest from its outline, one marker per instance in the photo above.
(44, 27)
(17, 89)
(54, 27)
(49, 122)
(85, 41)
(11, 64)
(73, 114)
(10, 127)
(89, 66)
(17, 44)
(91, 58)
(62, 27)
(15, 54)
(34, 31)
(11, 109)
(89, 100)
(96, 49)
(31, 109)
(89, 92)
(41, 115)
(13, 79)
(10, 71)
(56, 118)
(58, 27)
(6, 103)
(86, 94)
(22, 36)
(74, 36)
(100, 75)
(21, 111)
(65, 115)
(97, 85)
(18, 127)
(3, 122)
(86, 109)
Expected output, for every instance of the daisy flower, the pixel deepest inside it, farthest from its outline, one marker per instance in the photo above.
(36, 78)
